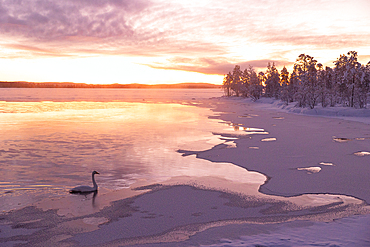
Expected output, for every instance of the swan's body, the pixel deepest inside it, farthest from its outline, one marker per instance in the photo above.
(84, 188)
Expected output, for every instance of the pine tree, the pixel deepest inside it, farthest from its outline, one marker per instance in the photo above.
(255, 87)
(272, 83)
(307, 93)
(309, 84)
(353, 86)
(331, 86)
(284, 81)
(227, 84)
(321, 85)
(246, 82)
(362, 87)
(237, 83)
(293, 86)
(366, 81)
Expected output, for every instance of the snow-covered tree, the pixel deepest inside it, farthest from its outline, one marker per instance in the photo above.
(353, 86)
(321, 85)
(305, 68)
(228, 79)
(293, 86)
(284, 81)
(309, 83)
(272, 88)
(362, 87)
(255, 86)
(237, 83)
(246, 82)
(331, 88)
(366, 81)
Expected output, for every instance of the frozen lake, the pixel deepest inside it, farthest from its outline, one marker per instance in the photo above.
(51, 140)
(104, 95)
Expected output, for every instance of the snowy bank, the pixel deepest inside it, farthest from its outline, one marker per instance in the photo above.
(346, 113)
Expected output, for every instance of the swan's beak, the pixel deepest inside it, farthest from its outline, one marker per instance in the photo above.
(97, 173)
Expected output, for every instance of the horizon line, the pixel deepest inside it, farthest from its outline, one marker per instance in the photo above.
(27, 84)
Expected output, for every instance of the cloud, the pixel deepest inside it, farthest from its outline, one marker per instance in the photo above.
(338, 41)
(195, 29)
(138, 28)
(219, 66)
(50, 19)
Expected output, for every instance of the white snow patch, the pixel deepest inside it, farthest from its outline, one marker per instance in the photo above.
(326, 164)
(336, 139)
(310, 170)
(271, 139)
(345, 113)
(362, 153)
(228, 138)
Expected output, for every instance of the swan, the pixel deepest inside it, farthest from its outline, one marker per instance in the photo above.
(86, 189)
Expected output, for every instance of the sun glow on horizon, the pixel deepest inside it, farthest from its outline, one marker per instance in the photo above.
(96, 70)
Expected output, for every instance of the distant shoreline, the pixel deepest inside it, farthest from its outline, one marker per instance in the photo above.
(24, 84)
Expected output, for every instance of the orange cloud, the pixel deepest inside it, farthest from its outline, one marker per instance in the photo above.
(207, 36)
(216, 66)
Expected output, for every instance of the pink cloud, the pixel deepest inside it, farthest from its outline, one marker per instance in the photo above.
(219, 66)
(51, 20)
(200, 32)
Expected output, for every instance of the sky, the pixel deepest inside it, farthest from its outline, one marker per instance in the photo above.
(170, 41)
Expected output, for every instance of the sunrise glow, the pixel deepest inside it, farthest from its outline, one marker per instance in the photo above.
(165, 41)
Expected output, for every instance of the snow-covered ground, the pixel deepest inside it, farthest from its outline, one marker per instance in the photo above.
(346, 113)
(343, 232)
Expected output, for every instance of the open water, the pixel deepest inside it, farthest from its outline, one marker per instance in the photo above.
(51, 139)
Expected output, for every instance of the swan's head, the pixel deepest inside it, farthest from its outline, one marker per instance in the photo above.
(95, 172)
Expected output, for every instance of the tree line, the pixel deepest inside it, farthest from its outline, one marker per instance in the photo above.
(24, 84)
(309, 84)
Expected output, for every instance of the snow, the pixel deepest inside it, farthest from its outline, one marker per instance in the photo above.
(351, 231)
(345, 113)
(310, 170)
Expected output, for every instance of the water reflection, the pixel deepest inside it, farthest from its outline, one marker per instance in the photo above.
(86, 194)
(53, 144)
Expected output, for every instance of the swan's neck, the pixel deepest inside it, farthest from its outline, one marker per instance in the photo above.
(94, 183)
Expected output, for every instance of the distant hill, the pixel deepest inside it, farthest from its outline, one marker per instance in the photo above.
(23, 84)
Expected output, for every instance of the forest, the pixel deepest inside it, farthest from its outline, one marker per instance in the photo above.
(309, 84)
